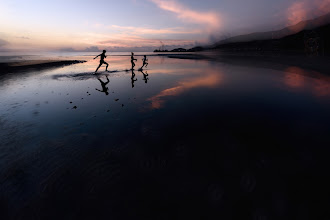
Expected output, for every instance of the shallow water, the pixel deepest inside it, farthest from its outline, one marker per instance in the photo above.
(193, 139)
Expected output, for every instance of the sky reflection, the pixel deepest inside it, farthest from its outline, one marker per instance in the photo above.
(317, 83)
(210, 78)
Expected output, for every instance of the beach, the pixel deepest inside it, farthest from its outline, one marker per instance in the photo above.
(194, 136)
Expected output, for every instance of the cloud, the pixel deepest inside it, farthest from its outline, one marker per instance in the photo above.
(133, 41)
(210, 19)
(3, 43)
(323, 5)
(92, 49)
(24, 38)
(306, 9)
(67, 49)
(87, 49)
(121, 42)
(152, 31)
(142, 38)
(296, 13)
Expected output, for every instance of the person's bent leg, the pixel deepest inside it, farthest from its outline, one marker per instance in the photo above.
(106, 69)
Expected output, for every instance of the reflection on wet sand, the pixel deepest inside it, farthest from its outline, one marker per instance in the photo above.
(297, 78)
(145, 76)
(132, 78)
(211, 79)
(294, 77)
(169, 71)
(103, 84)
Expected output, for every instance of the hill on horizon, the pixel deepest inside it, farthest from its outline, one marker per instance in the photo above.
(269, 35)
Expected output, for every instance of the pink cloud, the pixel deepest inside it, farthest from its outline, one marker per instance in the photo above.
(130, 41)
(296, 13)
(305, 9)
(142, 30)
(323, 5)
(210, 19)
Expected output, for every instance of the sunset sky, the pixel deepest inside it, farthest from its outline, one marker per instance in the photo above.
(141, 25)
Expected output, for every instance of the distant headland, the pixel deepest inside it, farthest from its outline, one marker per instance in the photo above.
(311, 37)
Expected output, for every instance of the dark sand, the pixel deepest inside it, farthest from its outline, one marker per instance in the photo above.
(224, 142)
(11, 67)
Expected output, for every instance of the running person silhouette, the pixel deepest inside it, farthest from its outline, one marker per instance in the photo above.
(145, 61)
(102, 56)
(132, 60)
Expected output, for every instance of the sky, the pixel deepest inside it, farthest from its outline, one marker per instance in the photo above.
(141, 25)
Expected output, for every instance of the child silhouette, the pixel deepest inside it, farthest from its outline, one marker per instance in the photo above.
(145, 61)
(132, 60)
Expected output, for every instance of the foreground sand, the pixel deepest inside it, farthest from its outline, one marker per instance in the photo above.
(199, 140)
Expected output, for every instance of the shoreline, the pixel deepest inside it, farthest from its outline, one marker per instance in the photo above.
(12, 67)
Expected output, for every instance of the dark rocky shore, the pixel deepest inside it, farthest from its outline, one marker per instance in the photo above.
(11, 67)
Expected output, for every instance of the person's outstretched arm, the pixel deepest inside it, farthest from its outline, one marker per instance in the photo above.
(97, 56)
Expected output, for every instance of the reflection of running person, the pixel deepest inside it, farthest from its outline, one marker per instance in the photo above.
(132, 78)
(145, 61)
(145, 76)
(102, 55)
(132, 60)
(104, 88)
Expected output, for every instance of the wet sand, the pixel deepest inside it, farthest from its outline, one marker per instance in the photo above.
(274, 60)
(199, 140)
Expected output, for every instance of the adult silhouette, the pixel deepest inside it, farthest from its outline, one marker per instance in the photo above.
(102, 56)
